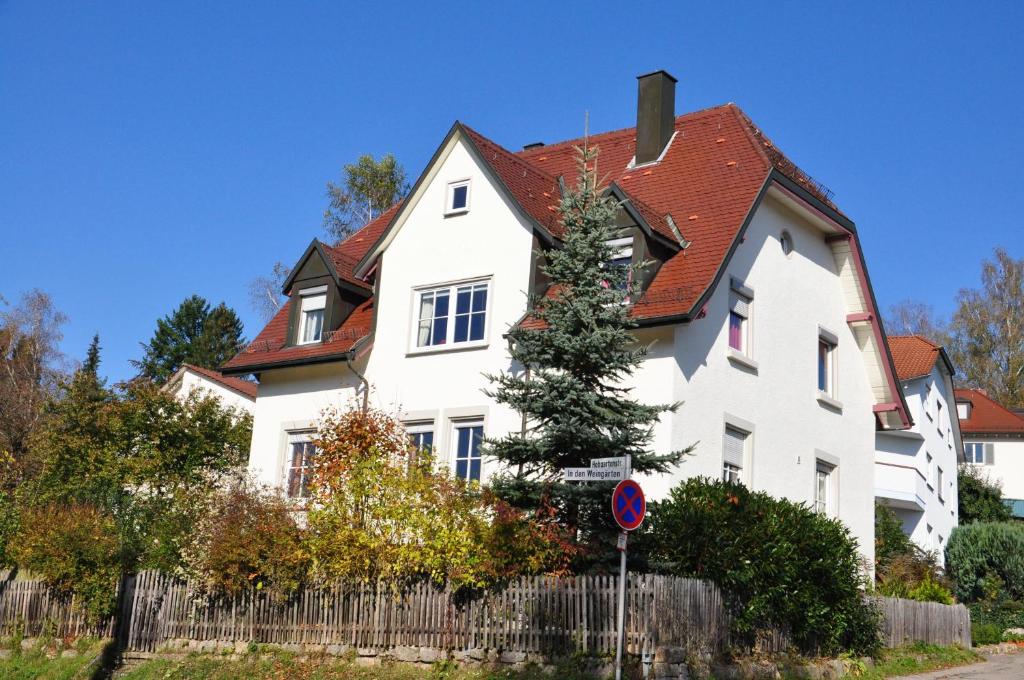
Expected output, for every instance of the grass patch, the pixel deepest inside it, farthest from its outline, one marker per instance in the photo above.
(282, 665)
(919, 658)
(44, 663)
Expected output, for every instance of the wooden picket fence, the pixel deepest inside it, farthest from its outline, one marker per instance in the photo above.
(29, 608)
(545, 615)
(542, 615)
(905, 621)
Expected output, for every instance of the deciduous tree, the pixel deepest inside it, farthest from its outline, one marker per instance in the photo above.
(31, 366)
(911, 317)
(988, 331)
(368, 187)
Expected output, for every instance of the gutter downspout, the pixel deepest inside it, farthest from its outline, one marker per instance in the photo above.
(362, 379)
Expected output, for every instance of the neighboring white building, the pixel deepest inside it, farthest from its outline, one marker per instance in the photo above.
(915, 469)
(994, 441)
(757, 307)
(232, 392)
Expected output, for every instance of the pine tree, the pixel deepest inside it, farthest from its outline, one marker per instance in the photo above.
(570, 394)
(92, 357)
(192, 334)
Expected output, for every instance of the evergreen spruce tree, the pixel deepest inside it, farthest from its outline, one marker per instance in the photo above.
(570, 394)
(91, 365)
(192, 334)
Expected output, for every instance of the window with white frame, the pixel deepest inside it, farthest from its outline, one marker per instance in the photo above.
(311, 315)
(938, 416)
(938, 484)
(734, 453)
(929, 470)
(926, 405)
(301, 458)
(457, 197)
(622, 259)
(741, 300)
(439, 322)
(421, 435)
(466, 440)
(963, 410)
(824, 492)
(828, 345)
(976, 453)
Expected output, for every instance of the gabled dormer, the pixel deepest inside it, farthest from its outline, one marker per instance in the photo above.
(320, 295)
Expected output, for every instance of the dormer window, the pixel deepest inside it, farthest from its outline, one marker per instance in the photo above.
(311, 315)
(457, 198)
(622, 258)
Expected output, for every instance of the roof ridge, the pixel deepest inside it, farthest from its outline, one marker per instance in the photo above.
(516, 158)
(607, 133)
(917, 336)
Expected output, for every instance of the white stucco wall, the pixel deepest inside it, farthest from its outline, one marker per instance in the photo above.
(289, 400)
(905, 481)
(191, 381)
(1008, 466)
(793, 296)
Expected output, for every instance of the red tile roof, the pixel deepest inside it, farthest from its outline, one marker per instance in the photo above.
(913, 355)
(987, 415)
(244, 387)
(707, 181)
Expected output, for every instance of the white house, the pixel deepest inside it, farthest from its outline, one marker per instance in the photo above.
(232, 392)
(915, 469)
(994, 441)
(756, 302)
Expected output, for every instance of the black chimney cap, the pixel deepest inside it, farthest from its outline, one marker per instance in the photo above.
(532, 145)
(662, 72)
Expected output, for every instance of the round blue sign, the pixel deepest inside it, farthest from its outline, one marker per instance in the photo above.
(628, 504)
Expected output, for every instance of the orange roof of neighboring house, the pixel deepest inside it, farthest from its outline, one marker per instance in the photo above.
(244, 387)
(987, 415)
(913, 355)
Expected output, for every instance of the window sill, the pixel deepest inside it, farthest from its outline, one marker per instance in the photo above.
(741, 360)
(829, 402)
(440, 349)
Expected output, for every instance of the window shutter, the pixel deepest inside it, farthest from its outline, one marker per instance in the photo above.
(740, 305)
(735, 441)
(990, 454)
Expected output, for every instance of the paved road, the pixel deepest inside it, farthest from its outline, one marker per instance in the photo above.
(998, 667)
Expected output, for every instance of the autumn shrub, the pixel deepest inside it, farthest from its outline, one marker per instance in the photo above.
(779, 565)
(382, 509)
(246, 538)
(75, 550)
(914, 575)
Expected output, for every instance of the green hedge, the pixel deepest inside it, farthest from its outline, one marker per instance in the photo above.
(986, 561)
(778, 563)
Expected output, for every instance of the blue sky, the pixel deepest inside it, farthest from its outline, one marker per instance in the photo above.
(149, 151)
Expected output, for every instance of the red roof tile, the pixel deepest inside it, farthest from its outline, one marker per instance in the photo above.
(987, 415)
(708, 197)
(913, 355)
(270, 346)
(536, 191)
(237, 384)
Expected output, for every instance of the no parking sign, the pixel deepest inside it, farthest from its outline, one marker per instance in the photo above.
(628, 504)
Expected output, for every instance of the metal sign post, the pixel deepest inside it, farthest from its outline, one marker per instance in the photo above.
(628, 507)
